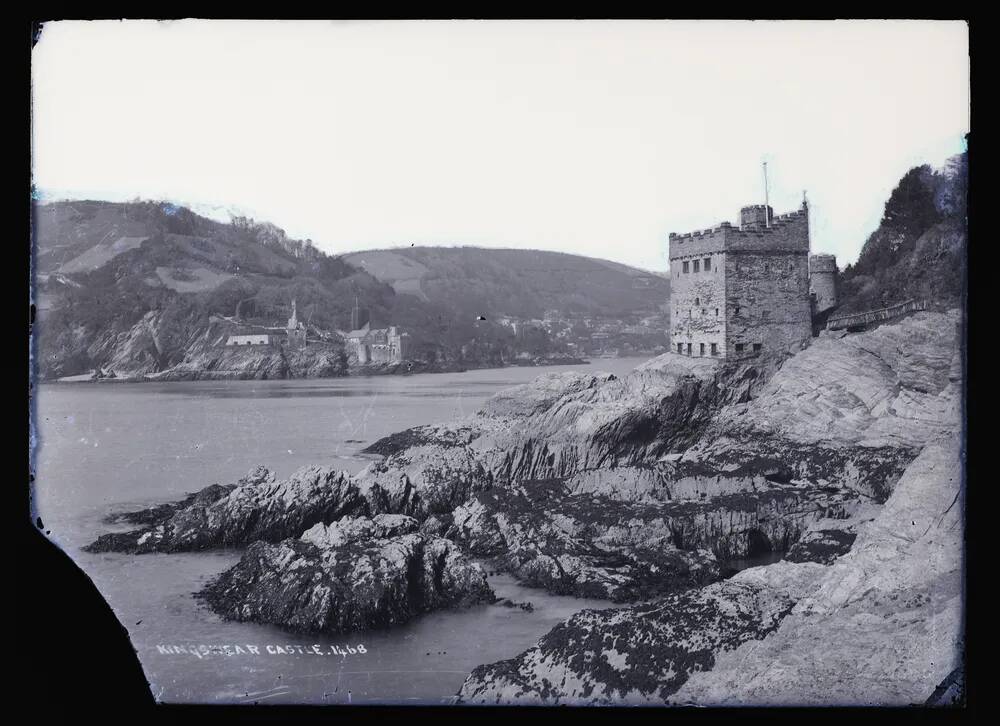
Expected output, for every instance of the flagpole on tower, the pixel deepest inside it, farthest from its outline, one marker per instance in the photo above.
(767, 207)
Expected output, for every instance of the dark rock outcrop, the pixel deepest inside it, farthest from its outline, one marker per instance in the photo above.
(595, 546)
(354, 575)
(258, 508)
(822, 546)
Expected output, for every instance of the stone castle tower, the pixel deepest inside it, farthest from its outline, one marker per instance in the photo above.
(740, 291)
(823, 282)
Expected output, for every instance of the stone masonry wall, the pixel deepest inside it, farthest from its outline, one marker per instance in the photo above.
(698, 299)
(767, 286)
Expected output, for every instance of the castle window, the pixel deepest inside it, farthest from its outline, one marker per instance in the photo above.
(685, 267)
(757, 347)
(708, 264)
(703, 311)
(767, 267)
(717, 312)
(737, 311)
(739, 347)
(696, 265)
(680, 347)
(702, 351)
(697, 301)
(689, 349)
(715, 348)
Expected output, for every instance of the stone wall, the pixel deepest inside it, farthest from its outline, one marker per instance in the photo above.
(698, 305)
(767, 301)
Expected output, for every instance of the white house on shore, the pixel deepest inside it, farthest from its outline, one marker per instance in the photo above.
(258, 339)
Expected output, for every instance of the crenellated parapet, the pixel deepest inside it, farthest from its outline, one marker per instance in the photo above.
(786, 233)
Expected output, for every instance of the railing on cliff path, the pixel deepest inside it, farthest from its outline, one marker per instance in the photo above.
(872, 316)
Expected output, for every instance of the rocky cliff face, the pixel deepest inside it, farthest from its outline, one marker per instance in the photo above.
(879, 625)
(869, 418)
(883, 625)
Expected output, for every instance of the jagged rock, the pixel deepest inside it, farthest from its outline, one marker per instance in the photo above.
(353, 575)
(424, 480)
(210, 494)
(851, 412)
(259, 508)
(594, 546)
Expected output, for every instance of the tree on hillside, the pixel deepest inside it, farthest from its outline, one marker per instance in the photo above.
(911, 207)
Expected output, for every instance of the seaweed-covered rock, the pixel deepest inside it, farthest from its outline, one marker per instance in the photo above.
(354, 575)
(822, 546)
(594, 546)
(641, 654)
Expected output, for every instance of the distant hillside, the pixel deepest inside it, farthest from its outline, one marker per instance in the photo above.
(145, 288)
(919, 248)
(520, 283)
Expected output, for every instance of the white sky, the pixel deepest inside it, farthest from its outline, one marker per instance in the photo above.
(597, 138)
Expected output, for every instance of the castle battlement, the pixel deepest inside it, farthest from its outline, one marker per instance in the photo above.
(786, 233)
(822, 262)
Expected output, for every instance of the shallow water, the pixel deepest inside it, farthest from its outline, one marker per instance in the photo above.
(111, 446)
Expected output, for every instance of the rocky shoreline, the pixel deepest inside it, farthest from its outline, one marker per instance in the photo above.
(640, 489)
(277, 367)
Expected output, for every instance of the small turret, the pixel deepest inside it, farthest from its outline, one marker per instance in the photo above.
(823, 282)
(756, 216)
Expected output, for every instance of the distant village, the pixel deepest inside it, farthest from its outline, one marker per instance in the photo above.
(555, 333)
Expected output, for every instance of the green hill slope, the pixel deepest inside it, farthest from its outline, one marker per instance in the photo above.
(147, 287)
(520, 283)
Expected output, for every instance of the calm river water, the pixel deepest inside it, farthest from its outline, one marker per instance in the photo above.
(108, 447)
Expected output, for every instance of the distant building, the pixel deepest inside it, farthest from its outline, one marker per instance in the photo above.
(253, 339)
(378, 345)
(295, 331)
